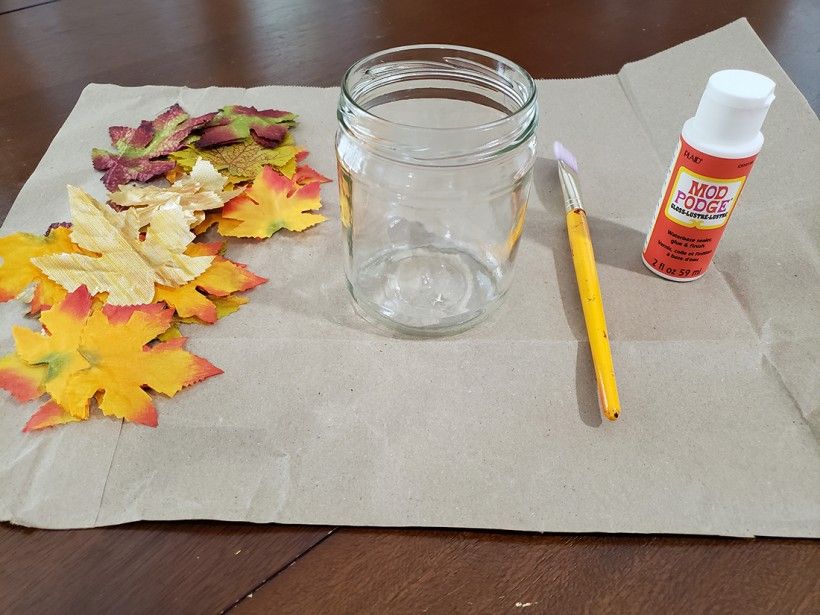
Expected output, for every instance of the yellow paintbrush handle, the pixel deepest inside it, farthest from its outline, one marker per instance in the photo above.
(590, 291)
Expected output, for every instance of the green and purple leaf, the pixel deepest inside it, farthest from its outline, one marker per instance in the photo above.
(267, 127)
(137, 148)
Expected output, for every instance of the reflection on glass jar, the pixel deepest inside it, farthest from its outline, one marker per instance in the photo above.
(435, 149)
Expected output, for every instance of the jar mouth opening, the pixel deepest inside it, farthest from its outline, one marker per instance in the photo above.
(472, 65)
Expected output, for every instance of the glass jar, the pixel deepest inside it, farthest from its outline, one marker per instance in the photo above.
(435, 150)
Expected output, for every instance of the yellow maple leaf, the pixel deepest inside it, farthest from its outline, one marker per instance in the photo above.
(62, 346)
(128, 267)
(82, 362)
(202, 190)
(228, 305)
(241, 161)
(222, 278)
(50, 414)
(18, 272)
(288, 169)
(172, 333)
(224, 307)
(211, 218)
(23, 381)
(46, 294)
(273, 202)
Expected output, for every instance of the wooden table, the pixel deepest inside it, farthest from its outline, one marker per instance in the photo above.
(49, 50)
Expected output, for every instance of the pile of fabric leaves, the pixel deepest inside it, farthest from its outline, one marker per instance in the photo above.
(111, 287)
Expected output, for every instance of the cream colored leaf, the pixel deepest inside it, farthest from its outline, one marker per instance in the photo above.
(128, 268)
(196, 193)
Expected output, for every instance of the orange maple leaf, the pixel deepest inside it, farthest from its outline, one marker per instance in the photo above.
(18, 272)
(308, 175)
(211, 218)
(50, 414)
(23, 381)
(221, 279)
(271, 204)
(224, 307)
(81, 362)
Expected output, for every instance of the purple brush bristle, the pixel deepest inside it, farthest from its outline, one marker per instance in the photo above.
(563, 154)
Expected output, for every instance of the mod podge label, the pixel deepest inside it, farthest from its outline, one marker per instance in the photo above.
(699, 196)
(702, 202)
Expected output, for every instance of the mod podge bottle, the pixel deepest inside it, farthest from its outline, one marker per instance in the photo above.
(715, 154)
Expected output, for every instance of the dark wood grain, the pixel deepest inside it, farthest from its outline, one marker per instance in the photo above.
(9, 6)
(48, 53)
(372, 571)
(144, 567)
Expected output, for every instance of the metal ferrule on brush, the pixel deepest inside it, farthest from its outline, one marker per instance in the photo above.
(569, 185)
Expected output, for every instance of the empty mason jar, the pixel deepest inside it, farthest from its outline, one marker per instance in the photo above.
(435, 151)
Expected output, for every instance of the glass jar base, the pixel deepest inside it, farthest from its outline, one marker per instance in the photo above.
(426, 290)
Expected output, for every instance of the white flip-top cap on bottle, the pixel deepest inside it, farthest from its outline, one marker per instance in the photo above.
(731, 113)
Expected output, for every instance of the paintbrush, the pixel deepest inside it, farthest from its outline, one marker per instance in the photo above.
(583, 258)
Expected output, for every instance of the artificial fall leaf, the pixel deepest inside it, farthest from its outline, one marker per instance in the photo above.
(228, 305)
(172, 333)
(17, 271)
(175, 173)
(222, 278)
(196, 193)
(23, 381)
(224, 307)
(128, 267)
(241, 161)
(288, 169)
(305, 175)
(46, 293)
(49, 414)
(82, 362)
(211, 218)
(205, 248)
(138, 148)
(64, 321)
(270, 204)
(267, 127)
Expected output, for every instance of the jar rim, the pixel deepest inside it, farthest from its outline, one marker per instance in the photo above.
(501, 60)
